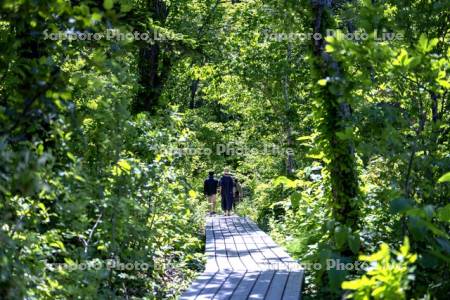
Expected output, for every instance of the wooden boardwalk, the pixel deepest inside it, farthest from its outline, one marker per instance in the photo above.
(244, 263)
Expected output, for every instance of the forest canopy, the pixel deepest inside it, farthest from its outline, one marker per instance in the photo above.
(333, 115)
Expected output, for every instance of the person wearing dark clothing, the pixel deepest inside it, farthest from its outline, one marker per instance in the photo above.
(226, 191)
(210, 189)
(238, 193)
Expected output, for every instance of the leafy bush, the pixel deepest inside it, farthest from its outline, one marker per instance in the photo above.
(387, 278)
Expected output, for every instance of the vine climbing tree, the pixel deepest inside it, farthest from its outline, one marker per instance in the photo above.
(333, 116)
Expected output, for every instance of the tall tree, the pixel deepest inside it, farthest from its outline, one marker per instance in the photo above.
(335, 117)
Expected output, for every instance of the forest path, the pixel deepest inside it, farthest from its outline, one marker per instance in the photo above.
(244, 263)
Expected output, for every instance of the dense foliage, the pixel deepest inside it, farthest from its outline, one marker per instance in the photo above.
(335, 116)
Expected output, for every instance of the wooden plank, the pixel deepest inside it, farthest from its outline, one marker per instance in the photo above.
(256, 248)
(232, 252)
(293, 287)
(229, 285)
(210, 248)
(262, 285)
(266, 239)
(236, 253)
(245, 286)
(253, 258)
(222, 258)
(244, 254)
(266, 250)
(277, 285)
(217, 231)
(278, 258)
(197, 286)
(220, 250)
(287, 262)
(213, 286)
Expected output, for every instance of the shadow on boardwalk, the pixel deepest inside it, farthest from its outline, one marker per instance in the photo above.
(244, 263)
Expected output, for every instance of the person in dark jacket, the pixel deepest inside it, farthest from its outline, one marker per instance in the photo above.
(238, 192)
(226, 191)
(210, 189)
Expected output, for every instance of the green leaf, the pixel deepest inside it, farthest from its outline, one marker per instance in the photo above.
(377, 256)
(444, 243)
(404, 249)
(295, 200)
(414, 61)
(192, 193)
(443, 213)
(108, 4)
(305, 138)
(42, 206)
(329, 48)
(357, 283)
(124, 165)
(345, 134)
(404, 60)
(101, 247)
(340, 236)
(322, 82)
(319, 156)
(283, 180)
(71, 156)
(400, 205)
(444, 178)
(336, 277)
(444, 83)
(126, 6)
(424, 45)
(433, 228)
(40, 149)
(58, 244)
(354, 242)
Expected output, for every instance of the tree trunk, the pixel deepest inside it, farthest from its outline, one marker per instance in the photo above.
(153, 66)
(336, 118)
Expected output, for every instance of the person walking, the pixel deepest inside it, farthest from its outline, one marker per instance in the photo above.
(210, 190)
(238, 193)
(226, 191)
